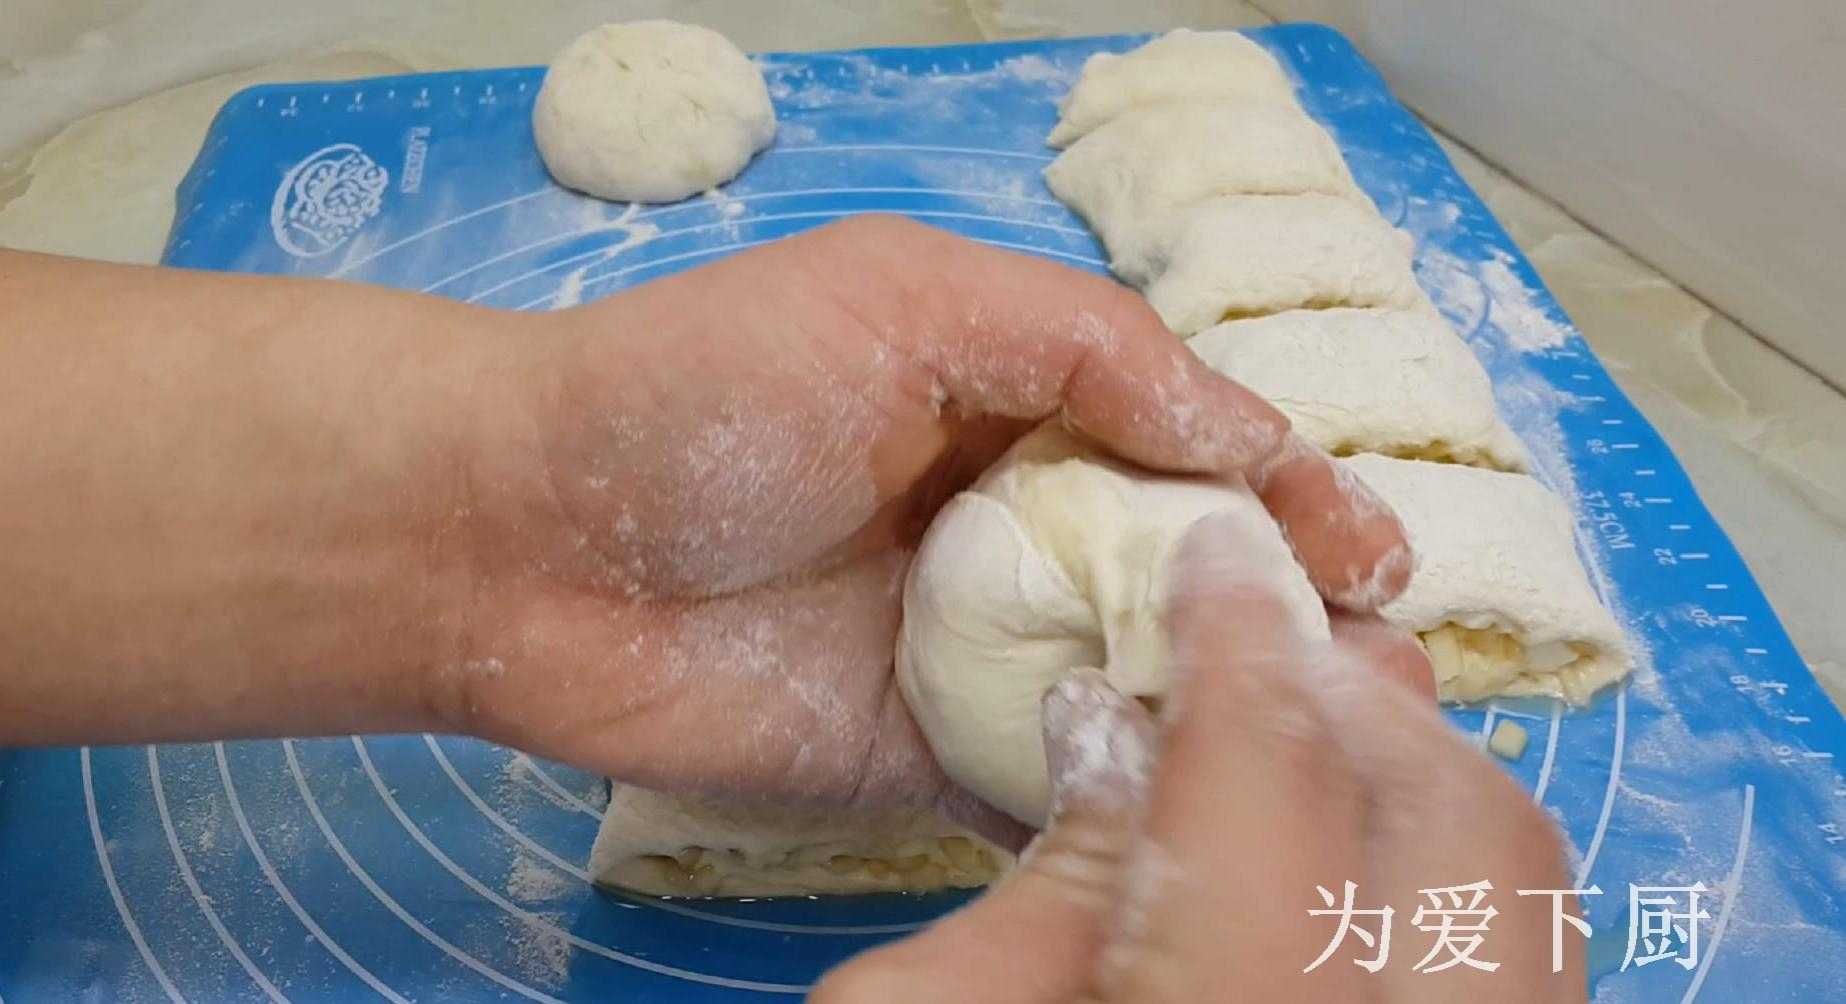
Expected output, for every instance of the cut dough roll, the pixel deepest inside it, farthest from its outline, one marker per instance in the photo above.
(1397, 382)
(670, 845)
(1498, 596)
(1248, 255)
(1057, 559)
(1179, 64)
(1134, 178)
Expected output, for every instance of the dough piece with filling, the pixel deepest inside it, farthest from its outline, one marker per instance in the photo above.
(1397, 382)
(1248, 255)
(1498, 596)
(650, 111)
(1135, 179)
(1179, 64)
(671, 845)
(1057, 558)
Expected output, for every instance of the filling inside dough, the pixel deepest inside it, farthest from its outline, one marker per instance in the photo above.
(914, 865)
(1254, 313)
(1473, 664)
(1436, 451)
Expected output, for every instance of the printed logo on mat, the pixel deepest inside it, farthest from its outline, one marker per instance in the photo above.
(326, 198)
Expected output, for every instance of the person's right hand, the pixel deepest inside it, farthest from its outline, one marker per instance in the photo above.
(1183, 857)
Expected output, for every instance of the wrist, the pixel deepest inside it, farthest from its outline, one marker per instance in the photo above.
(356, 521)
(529, 588)
(473, 478)
(230, 501)
(496, 537)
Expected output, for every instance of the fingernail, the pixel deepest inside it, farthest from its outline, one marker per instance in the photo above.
(1099, 746)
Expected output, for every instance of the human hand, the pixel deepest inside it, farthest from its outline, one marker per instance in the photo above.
(1185, 876)
(686, 549)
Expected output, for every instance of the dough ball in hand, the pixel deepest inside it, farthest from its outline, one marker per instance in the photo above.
(1058, 558)
(650, 111)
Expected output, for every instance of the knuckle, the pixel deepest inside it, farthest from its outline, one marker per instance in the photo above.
(1129, 313)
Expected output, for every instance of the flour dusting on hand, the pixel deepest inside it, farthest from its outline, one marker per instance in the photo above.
(1099, 748)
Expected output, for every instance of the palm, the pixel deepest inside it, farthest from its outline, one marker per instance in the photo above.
(745, 547)
(694, 565)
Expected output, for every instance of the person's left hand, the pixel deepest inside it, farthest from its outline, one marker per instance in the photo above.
(682, 551)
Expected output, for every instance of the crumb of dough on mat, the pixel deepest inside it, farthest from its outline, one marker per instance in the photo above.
(1508, 741)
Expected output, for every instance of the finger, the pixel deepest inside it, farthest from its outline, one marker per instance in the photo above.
(1345, 536)
(1443, 816)
(1252, 805)
(1020, 336)
(1034, 938)
(1385, 649)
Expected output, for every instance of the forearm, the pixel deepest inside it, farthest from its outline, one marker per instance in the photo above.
(223, 502)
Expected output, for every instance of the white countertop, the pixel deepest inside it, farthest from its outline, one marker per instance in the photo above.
(1764, 440)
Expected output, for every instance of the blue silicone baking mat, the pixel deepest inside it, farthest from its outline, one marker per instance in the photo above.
(432, 868)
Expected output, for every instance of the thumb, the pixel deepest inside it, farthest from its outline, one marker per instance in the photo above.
(1035, 936)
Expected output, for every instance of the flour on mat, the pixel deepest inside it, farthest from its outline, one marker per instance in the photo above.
(1033, 68)
(1515, 308)
(726, 205)
(520, 777)
(634, 234)
(528, 880)
(858, 85)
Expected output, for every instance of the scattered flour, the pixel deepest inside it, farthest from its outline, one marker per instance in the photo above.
(519, 778)
(542, 955)
(728, 207)
(1515, 309)
(635, 232)
(856, 85)
(528, 879)
(796, 134)
(570, 290)
(1033, 68)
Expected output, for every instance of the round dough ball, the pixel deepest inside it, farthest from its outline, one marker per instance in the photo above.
(1057, 559)
(650, 111)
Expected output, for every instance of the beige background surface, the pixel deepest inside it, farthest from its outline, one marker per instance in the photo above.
(103, 104)
(1704, 135)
